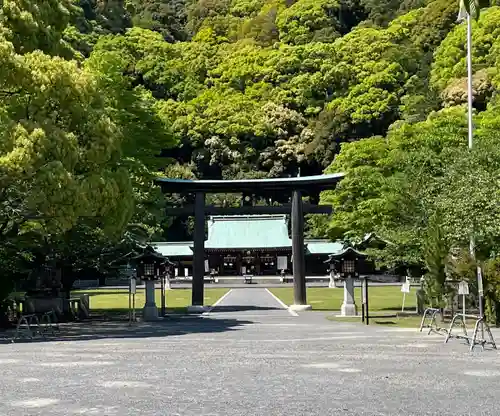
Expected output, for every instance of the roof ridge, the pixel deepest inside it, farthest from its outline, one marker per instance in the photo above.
(171, 242)
(247, 217)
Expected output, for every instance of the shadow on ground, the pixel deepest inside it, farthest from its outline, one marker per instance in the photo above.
(123, 313)
(170, 326)
(409, 309)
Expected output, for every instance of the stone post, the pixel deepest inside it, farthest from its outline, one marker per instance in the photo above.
(349, 306)
(150, 311)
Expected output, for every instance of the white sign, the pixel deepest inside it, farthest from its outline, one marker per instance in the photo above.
(405, 287)
(282, 262)
(243, 270)
(207, 267)
(463, 288)
(133, 286)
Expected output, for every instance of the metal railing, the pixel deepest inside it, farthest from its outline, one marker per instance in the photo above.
(431, 322)
(477, 337)
(31, 326)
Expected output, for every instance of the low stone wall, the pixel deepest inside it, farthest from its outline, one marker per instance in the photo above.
(84, 284)
(42, 305)
(56, 304)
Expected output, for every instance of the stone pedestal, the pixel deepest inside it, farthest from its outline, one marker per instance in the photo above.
(348, 306)
(331, 283)
(300, 308)
(84, 310)
(150, 311)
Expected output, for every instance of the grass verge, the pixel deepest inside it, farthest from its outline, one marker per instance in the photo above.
(115, 301)
(380, 298)
(385, 303)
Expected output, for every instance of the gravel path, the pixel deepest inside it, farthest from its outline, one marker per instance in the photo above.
(248, 356)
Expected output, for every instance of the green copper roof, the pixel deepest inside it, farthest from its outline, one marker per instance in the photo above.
(345, 251)
(255, 231)
(247, 232)
(172, 249)
(323, 247)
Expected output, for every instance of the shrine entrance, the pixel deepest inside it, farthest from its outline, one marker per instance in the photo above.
(289, 192)
(248, 263)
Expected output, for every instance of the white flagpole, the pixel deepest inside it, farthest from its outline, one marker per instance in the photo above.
(469, 79)
(462, 14)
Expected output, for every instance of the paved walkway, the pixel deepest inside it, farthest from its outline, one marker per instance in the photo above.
(265, 363)
(245, 303)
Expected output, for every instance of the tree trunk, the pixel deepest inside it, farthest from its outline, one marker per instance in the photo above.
(497, 313)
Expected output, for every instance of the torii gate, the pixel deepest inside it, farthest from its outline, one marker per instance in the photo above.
(297, 187)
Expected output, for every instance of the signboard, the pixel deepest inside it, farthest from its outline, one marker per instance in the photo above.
(405, 287)
(133, 286)
(207, 267)
(243, 270)
(463, 288)
(282, 263)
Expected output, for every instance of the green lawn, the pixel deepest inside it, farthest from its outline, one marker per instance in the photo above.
(116, 300)
(380, 298)
(385, 304)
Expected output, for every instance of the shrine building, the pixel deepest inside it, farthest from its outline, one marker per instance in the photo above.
(260, 245)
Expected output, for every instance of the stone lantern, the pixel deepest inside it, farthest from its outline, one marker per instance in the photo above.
(149, 266)
(347, 263)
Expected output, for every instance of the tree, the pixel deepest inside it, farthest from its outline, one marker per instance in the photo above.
(391, 184)
(434, 23)
(63, 179)
(36, 25)
(132, 107)
(59, 140)
(168, 17)
(421, 189)
(435, 255)
(450, 57)
(310, 21)
(104, 17)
